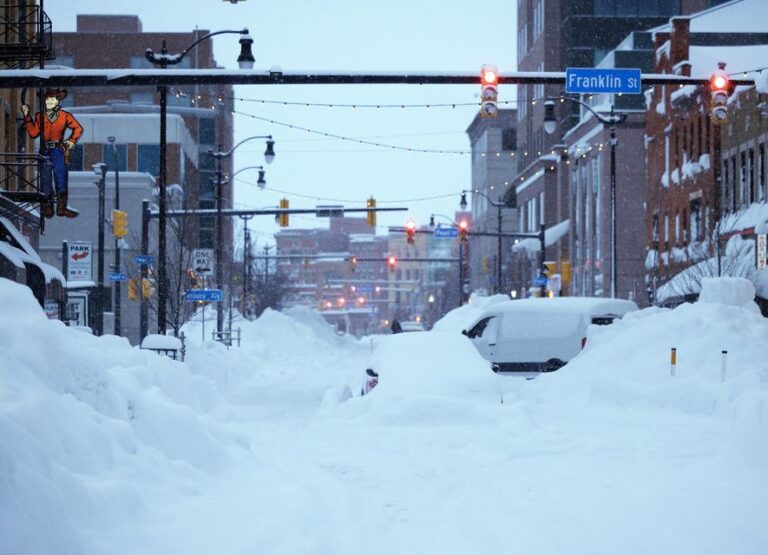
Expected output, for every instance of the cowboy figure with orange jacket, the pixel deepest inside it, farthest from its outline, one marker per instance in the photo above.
(57, 150)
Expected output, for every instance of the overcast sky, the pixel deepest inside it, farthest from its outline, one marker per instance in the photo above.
(397, 35)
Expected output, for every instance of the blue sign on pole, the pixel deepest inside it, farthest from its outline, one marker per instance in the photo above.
(590, 80)
(117, 276)
(540, 281)
(209, 295)
(144, 259)
(446, 232)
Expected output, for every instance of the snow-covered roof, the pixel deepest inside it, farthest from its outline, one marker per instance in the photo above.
(551, 236)
(18, 256)
(704, 59)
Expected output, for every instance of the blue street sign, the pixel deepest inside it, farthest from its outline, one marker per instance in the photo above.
(117, 276)
(210, 295)
(446, 232)
(144, 259)
(540, 281)
(589, 80)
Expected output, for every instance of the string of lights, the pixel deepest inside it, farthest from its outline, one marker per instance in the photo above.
(207, 99)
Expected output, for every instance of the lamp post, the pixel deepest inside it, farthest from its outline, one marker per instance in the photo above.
(269, 156)
(611, 120)
(115, 160)
(100, 170)
(499, 205)
(245, 61)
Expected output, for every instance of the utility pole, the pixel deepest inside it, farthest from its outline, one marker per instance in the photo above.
(118, 326)
(101, 171)
(246, 260)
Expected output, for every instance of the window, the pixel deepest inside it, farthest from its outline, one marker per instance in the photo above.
(761, 173)
(148, 159)
(207, 225)
(695, 220)
(743, 179)
(508, 139)
(598, 211)
(655, 228)
(76, 159)
(145, 97)
(677, 228)
(666, 231)
(208, 131)
(65, 60)
(108, 156)
(751, 175)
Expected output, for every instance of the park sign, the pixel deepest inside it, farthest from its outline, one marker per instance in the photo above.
(589, 80)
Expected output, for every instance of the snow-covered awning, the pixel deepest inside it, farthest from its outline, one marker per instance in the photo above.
(551, 236)
(19, 252)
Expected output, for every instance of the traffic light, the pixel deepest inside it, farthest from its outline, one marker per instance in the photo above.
(371, 214)
(410, 231)
(392, 263)
(463, 231)
(551, 268)
(284, 217)
(119, 223)
(489, 80)
(133, 293)
(352, 263)
(146, 288)
(718, 88)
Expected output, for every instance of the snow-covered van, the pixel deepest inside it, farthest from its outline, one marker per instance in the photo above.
(540, 334)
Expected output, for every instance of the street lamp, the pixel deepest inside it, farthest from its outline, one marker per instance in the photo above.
(261, 182)
(164, 59)
(269, 156)
(499, 205)
(611, 120)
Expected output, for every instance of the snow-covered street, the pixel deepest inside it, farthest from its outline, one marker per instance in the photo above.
(108, 449)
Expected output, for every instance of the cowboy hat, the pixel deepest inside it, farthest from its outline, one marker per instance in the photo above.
(61, 94)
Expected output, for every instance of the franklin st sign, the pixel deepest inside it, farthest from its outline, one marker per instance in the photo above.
(598, 81)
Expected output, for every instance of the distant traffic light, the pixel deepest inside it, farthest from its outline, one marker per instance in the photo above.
(371, 214)
(489, 81)
(392, 263)
(718, 88)
(410, 231)
(352, 263)
(463, 231)
(119, 223)
(284, 217)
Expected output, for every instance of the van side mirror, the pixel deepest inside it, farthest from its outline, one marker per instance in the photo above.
(464, 332)
(371, 373)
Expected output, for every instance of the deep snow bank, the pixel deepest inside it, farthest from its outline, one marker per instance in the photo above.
(83, 420)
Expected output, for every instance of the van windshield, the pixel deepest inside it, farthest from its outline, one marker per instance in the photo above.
(534, 325)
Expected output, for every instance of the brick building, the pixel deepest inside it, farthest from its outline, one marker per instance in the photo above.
(700, 173)
(554, 35)
(118, 41)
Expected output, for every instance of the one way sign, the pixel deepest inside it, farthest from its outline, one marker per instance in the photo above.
(202, 261)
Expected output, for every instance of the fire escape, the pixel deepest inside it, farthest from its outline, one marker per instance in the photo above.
(25, 41)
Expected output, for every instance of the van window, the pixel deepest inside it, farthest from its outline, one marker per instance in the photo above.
(603, 320)
(479, 328)
(534, 325)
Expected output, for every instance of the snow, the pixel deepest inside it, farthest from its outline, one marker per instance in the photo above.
(551, 236)
(459, 318)
(268, 448)
(158, 341)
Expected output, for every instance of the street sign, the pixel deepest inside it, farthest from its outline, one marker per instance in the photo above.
(202, 261)
(210, 295)
(117, 276)
(762, 251)
(80, 262)
(144, 259)
(540, 281)
(446, 232)
(329, 211)
(589, 80)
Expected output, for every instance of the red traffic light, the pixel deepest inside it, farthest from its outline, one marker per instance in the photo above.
(463, 230)
(410, 230)
(463, 225)
(392, 262)
(489, 75)
(719, 81)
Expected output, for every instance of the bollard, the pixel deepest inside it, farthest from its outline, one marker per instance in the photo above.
(722, 365)
(673, 361)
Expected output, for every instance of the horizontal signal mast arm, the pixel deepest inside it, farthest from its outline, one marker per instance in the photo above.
(17, 78)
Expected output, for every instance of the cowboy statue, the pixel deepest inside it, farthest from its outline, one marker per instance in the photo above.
(58, 150)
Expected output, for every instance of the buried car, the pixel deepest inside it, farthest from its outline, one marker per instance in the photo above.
(540, 334)
(428, 363)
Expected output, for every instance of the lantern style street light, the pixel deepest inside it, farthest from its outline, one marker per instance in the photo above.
(245, 61)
